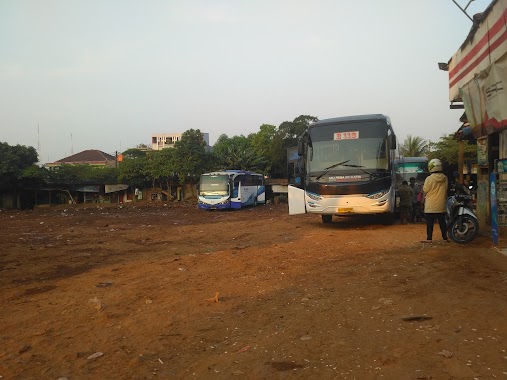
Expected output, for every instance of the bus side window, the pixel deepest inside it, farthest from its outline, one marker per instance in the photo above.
(235, 189)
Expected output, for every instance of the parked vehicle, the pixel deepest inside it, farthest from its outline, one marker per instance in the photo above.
(408, 167)
(231, 189)
(462, 223)
(346, 167)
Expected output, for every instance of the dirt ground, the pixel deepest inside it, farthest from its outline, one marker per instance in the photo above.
(129, 292)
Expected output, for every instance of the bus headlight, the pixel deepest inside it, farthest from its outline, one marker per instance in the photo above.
(378, 194)
(315, 197)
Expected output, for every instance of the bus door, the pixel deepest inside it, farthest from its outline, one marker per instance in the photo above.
(236, 194)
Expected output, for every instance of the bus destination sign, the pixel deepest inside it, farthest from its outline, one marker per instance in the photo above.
(352, 135)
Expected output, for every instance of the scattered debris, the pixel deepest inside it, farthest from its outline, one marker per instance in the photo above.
(447, 354)
(246, 348)
(385, 301)
(25, 348)
(98, 305)
(410, 318)
(104, 284)
(214, 298)
(95, 356)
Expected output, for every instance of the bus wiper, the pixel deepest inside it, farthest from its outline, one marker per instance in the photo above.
(360, 167)
(331, 167)
(344, 163)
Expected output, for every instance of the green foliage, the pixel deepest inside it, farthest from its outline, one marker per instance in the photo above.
(243, 159)
(132, 171)
(290, 131)
(287, 136)
(14, 160)
(414, 146)
(134, 153)
(264, 151)
(238, 153)
(191, 156)
(34, 176)
(225, 144)
(446, 149)
(75, 175)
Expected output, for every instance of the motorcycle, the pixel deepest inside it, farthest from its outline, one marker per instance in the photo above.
(462, 223)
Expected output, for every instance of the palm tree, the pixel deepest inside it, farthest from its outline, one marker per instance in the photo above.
(414, 147)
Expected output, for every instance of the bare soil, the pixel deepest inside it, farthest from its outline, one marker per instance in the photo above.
(131, 291)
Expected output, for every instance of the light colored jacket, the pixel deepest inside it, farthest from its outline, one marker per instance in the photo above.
(435, 193)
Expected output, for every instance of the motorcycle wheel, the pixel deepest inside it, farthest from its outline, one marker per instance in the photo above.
(464, 229)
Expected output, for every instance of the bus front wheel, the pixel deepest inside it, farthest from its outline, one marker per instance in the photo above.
(327, 218)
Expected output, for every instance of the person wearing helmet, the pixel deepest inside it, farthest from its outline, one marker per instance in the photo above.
(435, 195)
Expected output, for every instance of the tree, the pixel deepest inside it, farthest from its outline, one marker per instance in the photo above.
(85, 174)
(414, 147)
(134, 153)
(446, 149)
(132, 171)
(291, 131)
(225, 144)
(262, 145)
(243, 159)
(287, 136)
(238, 153)
(14, 160)
(191, 156)
(162, 166)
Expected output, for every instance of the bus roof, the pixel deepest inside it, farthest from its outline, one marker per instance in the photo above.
(352, 119)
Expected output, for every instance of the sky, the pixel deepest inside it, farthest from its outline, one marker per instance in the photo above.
(107, 74)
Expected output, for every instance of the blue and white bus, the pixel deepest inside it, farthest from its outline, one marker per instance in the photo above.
(231, 189)
(346, 168)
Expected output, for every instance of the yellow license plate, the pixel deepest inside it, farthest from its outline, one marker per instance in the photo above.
(345, 209)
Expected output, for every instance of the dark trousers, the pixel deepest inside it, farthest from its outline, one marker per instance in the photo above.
(430, 221)
(415, 211)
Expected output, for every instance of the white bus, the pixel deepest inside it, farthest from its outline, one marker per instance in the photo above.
(231, 189)
(408, 167)
(346, 167)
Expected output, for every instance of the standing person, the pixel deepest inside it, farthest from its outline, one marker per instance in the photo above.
(415, 199)
(435, 195)
(406, 194)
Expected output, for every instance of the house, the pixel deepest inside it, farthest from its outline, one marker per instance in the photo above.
(86, 157)
(477, 79)
(89, 191)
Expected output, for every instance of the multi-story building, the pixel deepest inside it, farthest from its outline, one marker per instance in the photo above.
(167, 140)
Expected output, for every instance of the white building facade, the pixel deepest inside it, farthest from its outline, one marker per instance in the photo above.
(161, 141)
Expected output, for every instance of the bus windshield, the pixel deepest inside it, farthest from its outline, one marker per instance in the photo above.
(411, 167)
(351, 148)
(214, 185)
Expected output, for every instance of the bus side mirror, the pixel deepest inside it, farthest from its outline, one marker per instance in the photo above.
(300, 147)
(392, 141)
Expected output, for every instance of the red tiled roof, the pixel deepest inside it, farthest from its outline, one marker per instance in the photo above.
(87, 156)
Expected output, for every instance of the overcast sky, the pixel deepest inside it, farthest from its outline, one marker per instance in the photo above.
(106, 74)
